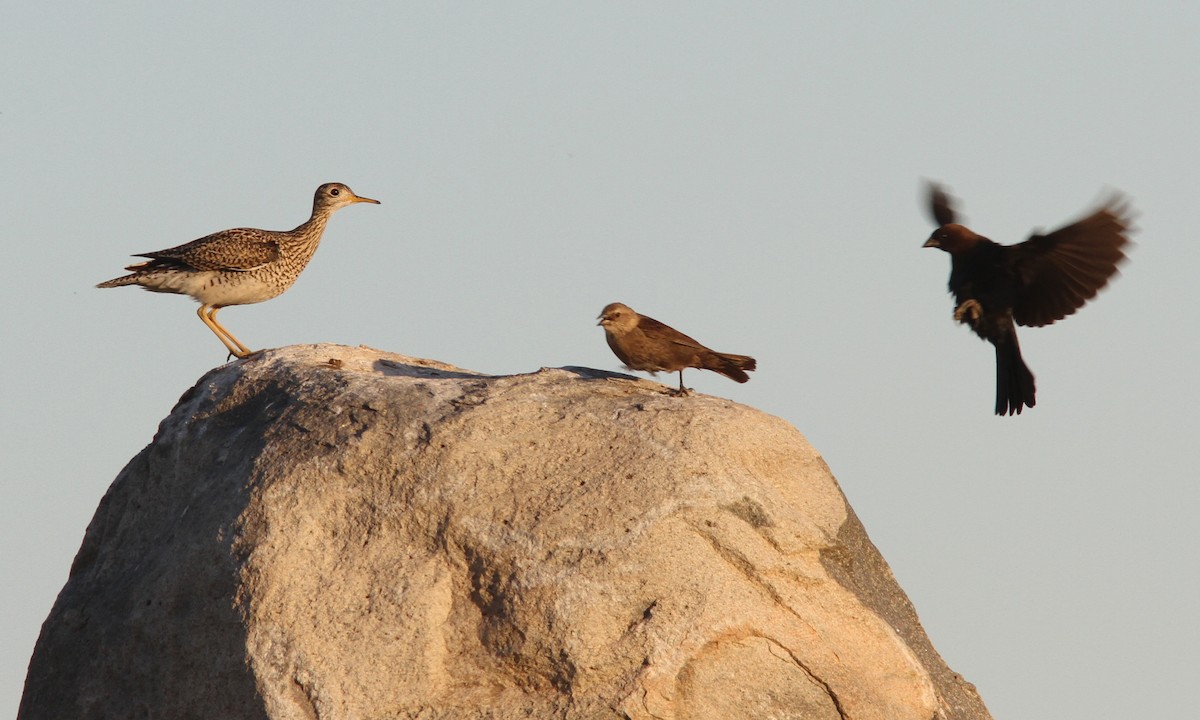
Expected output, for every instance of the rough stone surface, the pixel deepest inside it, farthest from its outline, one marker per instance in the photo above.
(339, 533)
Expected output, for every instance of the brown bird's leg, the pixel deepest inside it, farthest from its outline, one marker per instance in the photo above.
(208, 315)
(682, 391)
(969, 308)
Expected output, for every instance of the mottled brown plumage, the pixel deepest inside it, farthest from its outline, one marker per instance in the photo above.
(643, 343)
(239, 266)
(1036, 282)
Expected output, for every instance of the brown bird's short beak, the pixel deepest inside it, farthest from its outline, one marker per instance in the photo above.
(358, 199)
(931, 243)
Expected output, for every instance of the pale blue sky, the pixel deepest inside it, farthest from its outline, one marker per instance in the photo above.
(747, 172)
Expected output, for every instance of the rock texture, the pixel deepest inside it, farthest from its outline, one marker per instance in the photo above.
(339, 533)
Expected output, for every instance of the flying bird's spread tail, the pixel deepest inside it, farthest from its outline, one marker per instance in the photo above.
(1014, 382)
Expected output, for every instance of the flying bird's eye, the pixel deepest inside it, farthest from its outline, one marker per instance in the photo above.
(335, 192)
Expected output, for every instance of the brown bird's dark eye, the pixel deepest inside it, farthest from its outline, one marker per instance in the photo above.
(335, 192)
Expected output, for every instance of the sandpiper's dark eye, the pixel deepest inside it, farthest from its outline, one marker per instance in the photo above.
(335, 192)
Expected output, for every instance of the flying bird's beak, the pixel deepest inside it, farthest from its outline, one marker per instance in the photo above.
(932, 242)
(358, 199)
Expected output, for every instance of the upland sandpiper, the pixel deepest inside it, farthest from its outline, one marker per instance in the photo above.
(239, 266)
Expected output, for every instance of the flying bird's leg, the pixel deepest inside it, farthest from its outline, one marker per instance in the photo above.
(969, 308)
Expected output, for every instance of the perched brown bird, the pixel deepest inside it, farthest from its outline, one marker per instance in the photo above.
(1036, 282)
(239, 266)
(643, 343)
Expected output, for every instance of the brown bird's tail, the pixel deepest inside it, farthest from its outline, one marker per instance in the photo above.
(731, 366)
(1014, 381)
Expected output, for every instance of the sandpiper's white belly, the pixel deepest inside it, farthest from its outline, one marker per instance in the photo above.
(212, 287)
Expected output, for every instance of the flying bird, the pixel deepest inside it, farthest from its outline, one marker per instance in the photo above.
(643, 343)
(1033, 283)
(239, 266)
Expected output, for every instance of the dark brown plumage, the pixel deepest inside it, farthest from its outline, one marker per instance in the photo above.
(1036, 282)
(643, 343)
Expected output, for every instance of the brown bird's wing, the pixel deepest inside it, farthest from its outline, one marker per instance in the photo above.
(1062, 270)
(941, 205)
(662, 331)
(692, 354)
(233, 250)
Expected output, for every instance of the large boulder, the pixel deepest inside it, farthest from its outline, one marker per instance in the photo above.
(340, 533)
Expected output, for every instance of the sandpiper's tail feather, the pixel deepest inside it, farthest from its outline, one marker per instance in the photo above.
(121, 281)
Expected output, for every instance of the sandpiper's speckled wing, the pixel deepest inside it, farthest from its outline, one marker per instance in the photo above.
(236, 250)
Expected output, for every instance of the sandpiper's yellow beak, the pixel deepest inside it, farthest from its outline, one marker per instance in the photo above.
(358, 199)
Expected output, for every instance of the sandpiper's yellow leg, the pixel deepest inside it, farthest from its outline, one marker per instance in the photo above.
(245, 351)
(208, 315)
